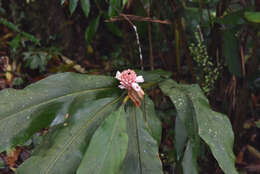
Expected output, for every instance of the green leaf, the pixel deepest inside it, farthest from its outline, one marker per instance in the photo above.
(33, 108)
(15, 42)
(73, 5)
(214, 128)
(153, 122)
(62, 153)
(108, 146)
(142, 155)
(231, 53)
(85, 4)
(92, 29)
(114, 7)
(31, 38)
(187, 116)
(180, 138)
(189, 162)
(252, 16)
(9, 25)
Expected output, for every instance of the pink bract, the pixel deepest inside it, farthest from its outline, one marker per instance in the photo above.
(128, 80)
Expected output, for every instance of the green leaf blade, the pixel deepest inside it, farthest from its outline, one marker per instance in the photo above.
(62, 152)
(21, 109)
(85, 4)
(73, 5)
(214, 128)
(108, 146)
(142, 155)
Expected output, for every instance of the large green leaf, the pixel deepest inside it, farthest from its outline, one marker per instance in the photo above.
(214, 128)
(142, 155)
(22, 112)
(62, 152)
(108, 146)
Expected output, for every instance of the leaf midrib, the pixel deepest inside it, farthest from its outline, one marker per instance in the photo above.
(51, 100)
(52, 162)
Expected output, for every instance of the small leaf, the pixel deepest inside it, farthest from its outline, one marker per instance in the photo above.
(114, 7)
(15, 42)
(85, 4)
(9, 25)
(108, 146)
(92, 29)
(73, 5)
(252, 16)
(31, 38)
(231, 53)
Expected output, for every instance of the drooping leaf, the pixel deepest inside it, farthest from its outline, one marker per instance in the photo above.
(108, 146)
(85, 5)
(92, 29)
(142, 155)
(231, 53)
(214, 128)
(187, 116)
(73, 5)
(252, 16)
(36, 105)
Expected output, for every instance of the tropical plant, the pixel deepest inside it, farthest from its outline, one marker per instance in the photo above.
(93, 128)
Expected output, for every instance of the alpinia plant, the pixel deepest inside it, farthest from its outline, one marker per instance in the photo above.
(93, 128)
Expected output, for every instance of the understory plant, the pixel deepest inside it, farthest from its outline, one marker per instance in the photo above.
(96, 127)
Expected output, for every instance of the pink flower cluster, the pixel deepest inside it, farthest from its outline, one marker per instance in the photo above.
(128, 80)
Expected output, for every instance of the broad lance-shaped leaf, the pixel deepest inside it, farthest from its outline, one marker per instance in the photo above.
(214, 128)
(108, 146)
(63, 150)
(142, 154)
(187, 117)
(23, 112)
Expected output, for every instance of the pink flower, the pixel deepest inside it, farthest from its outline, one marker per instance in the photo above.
(128, 80)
